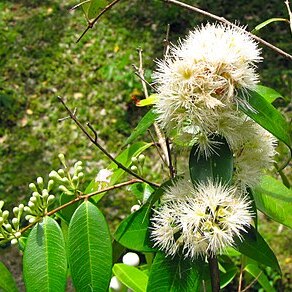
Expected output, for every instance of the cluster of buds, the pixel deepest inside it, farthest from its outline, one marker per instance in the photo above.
(10, 229)
(39, 201)
(68, 182)
(138, 163)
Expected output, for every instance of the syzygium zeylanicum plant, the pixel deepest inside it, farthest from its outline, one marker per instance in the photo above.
(198, 229)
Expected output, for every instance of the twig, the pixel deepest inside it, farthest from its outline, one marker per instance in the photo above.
(223, 20)
(171, 168)
(166, 42)
(82, 197)
(240, 276)
(156, 146)
(214, 272)
(252, 282)
(91, 23)
(290, 14)
(94, 141)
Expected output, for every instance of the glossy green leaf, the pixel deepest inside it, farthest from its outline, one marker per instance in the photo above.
(142, 191)
(267, 22)
(269, 94)
(142, 126)
(133, 232)
(268, 117)
(226, 277)
(258, 274)
(150, 100)
(218, 165)
(95, 7)
(7, 282)
(67, 212)
(255, 247)
(131, 277)
(125, 159)
(44, 260)
(174, 274)
(90, 249)
(274, 200)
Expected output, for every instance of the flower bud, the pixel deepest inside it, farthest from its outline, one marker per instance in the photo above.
(135, 208)
(1, 221)
(61, 156)
(50, 199)
(31, 205)
(33, 200)
(5, 215)
(45, 194)
(78, 169)
(75, 179)
(65, 190)
(40, 182)
(134, 160)
(134, 168)
(27, 209)
(28, 217)
(15, 222)
(31, 220)
(8, 227)
(141, 158)
(78, 163)
(115, 284)
(15, 211)
(17, 234)
(14, 241)
(61, 172)
(50, 185)
(1, 204)
(21, 207)
(80, 175)
(131, 259)
(54, 175)
(33, 187)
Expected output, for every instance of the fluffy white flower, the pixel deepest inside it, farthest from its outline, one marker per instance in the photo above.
(202, 77)
(204, 222)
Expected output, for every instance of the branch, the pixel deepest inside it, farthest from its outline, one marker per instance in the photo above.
(223, 20)
(94, 141)
(81, 197)
(214, 272)
(91, 23)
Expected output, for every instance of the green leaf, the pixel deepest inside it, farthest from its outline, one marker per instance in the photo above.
(142, 191)
(66, 213)
(255, 247)
(268, 117)
(150, 100)
(218, 165)
(142, 126)
(274, 200)
(265, 23)
(269, 94)
(44, 260)
(230, 271)
(133, 232)
(258, 274)
(95, 7)
(131, 277)
(174, 274)
(125, 159)
(7, 282)
(90, 249)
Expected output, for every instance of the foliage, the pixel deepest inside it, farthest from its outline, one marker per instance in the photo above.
(73, 228)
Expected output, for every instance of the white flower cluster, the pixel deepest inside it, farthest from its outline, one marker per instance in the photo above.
(200, 85)
(201, 221)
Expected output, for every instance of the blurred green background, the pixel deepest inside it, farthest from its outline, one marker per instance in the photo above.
(39, 59)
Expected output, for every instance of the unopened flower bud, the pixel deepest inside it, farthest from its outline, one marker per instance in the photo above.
(80, 175)
(15, 211)
(33, 200)
(17, 234)
(75, 179)
(141, 158)
(21, 207)
(78, 169)
(14, 241)
(35, 194)
(1, 221)
(65, 190)
(61, 172)
(134, 168)
(61, 156)
(27, 209)
(45, 194)
(134, 160)
(28, 217)
(135, 208)
(50, 185)
(1, 204)
(115, 284)
(31, 220)
(78, 163)
(5, 214)
(131, 259)
(50, 199)
(40, 182)
(8, 227)
(54, 175)
(33, 187)
(65, 180)
(31, 205)
(15, 222)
